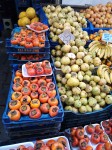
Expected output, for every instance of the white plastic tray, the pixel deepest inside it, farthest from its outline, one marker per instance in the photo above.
(15, 146)
(89, 135)
(56, 138)
(28, 26)
(25, 74)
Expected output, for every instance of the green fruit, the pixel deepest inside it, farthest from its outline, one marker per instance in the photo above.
(89, 109)
(58, 77)
(59, 85)
(96, 90)
(92, 101)
(69, 93)
(103, 95)
(57, 64)
(66, 69)
(62, 90)
(102, 103)
(83, 94)
(69, 108)
(64, 81)
(83, 109)
(75, 110)
(73, 82)
(71, 100)
(83, 101)
(76, 97)
(67, 87)
(108, 99)
(97, 107)
(77, 104)
(68, 75)
(63, 98)
(98, 98)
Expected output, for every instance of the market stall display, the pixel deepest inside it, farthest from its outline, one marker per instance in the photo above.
(89, 137)
(74, 73)
(100, 15)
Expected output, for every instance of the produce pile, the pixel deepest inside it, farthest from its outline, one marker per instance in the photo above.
(61, 19)
(97, 36)
(100, 49)
(80, 89)
(32, 97)
(28, 38)
(53, 144)
(100, 15)
(27, 17)
(90, 137)
(38, 68)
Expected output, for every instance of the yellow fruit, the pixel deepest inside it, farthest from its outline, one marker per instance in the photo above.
(30, 12)
(25, 21)
(36, 19)
(19, 22)
(22, 14)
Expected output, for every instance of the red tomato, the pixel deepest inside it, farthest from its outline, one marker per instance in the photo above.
(95, 138)
(36, 43)
(48, 70)
(50, 142)
(110, 121)
(42, 82)
(34, 95)
(108, 146)
(39, 71)
(14, 41)
(22, 43)
(28, 45)
(29, 65)
(42, 89)
(90, 129)
(29, 39)
(45, 63)
(51, 93)
(79, 134)
(108, 130)
(82, 144)
(50, 86)
(73, 131)
(43, 98)
(18, 73)
(53, 101)
(31, 71)
(38, 144)
(48, 79)
(105, 124)
(17, 87)
(26, 83)
(24, 109)
(25, 90)
(44, 148)
(53, 111)
(34, 87)
(30, 148)
(45, 108)
(37, 65)
(98, 129)
(75, 142)
(100, 147)
(86, 138)
(33, 80)
(89, 147)
(103, 138)
(35, 113)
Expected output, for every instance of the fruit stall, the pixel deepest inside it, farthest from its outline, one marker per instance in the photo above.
(60, 95)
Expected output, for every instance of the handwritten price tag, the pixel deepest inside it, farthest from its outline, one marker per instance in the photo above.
(107, 37)
(66, 37)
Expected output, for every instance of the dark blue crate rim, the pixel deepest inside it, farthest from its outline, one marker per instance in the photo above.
(33, 129)
(33, 126)
(27, 119)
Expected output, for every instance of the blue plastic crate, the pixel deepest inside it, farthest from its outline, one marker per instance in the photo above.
(13, 60)
(45, 118)
(40, 12)
(15, 48)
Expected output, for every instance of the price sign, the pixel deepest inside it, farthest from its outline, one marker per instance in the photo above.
(105, 37)
(66, 37)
